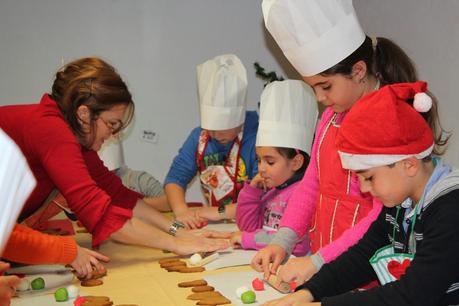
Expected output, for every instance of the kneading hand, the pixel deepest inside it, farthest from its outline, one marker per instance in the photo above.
(190, 219)
(85, 261)
(272, 253)
(188, 243)
(8, 285)
(298, 269)
(236, 239)
(299, 298)
(208, 213)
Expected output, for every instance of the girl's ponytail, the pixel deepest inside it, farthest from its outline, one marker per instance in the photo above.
(387, 62)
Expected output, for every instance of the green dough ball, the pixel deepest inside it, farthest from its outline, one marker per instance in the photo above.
(248, 297)
(61, 295)
(38, 283)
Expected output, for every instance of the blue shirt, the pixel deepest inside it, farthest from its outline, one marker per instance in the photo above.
(184, 167)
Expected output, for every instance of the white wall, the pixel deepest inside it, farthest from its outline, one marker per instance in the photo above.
(429, 32)
(155, 45)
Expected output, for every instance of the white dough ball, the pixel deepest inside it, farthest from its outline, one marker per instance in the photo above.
(195, 258)
(73, 291)
(24, 285)
(241, 290)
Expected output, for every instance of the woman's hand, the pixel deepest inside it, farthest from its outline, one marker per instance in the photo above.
(205, 233)
(189, 243)
(298, 269)
(87, 261)
(272, 253)
(8, 285)
(299, 298)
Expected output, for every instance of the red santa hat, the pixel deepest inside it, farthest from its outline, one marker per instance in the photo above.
(383, 128)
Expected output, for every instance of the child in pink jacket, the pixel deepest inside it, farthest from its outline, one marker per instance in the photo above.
(288, 114)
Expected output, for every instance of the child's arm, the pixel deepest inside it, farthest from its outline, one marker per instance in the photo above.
(432, 272)
(249, 215)
(183, 169)
(352, 268)
(249, 210)
(300, 209)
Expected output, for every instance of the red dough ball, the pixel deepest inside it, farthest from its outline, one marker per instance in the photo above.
(79, 301)
(258, 284)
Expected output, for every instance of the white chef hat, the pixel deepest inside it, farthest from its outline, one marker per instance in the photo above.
(111, 153)
(313, 34)
(222, 91)
(288, 116)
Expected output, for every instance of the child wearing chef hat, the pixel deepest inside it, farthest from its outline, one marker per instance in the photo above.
(389, 145)
(222, 150)
(288, 115)
(324, 41)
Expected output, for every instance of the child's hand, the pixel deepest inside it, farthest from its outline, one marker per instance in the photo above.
(190, 219)
(85, 261)
(236, 239)
(272, 253)
(298, 269)
(299, 298)
(8, 285)
(208, 213)
(258, 182)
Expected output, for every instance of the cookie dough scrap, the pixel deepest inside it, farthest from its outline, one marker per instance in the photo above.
(176, 268)
(194, 283)
(203, 295)
(91, 282)
(166, 260)
(91, 300)
(172, 264)
(202, 289)
(218, 300)
(191, 269)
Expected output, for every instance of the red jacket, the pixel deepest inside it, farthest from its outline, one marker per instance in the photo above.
(57, 160)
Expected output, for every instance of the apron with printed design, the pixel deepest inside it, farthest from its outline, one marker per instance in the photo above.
(389, 265)
(219, 182)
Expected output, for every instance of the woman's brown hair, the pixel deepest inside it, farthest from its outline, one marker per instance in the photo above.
(94, 83)
(388, 63)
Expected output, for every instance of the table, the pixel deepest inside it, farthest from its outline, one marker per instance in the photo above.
(134, 277)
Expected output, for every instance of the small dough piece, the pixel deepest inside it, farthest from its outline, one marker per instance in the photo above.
(241, 290)
(203, 295)
(164, 260)
(195, 259)
(218, 300)
(195, 283)
(91, 282)
(202, 289)
(191, 269)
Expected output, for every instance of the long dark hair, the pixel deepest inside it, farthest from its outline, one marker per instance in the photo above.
(389, 64)
(94, 83)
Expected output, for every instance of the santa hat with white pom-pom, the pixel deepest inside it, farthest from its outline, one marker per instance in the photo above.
(383, 128)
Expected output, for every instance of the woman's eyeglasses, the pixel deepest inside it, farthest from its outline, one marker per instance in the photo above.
(114, 127)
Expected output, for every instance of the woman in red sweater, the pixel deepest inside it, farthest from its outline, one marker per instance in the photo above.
(60, 137)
